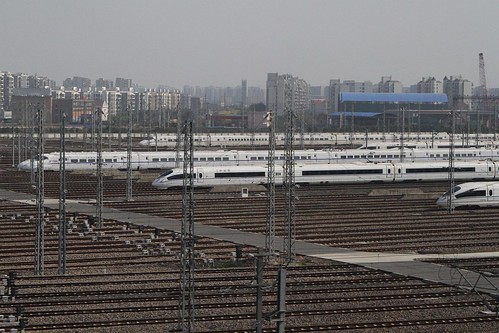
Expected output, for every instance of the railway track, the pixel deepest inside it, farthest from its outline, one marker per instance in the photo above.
(121, 279)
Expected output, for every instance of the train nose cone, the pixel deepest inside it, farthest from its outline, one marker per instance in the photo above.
(23, 166)
(442, 201)
(157, 182)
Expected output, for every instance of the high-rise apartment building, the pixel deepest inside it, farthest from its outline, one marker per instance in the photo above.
(285, 91)
(387, 85)
(78, 82)
(7, 90)
(2, 108)
(456, 87)
(336, 87)
(123, 84)
(101, 83)
(244, 93)
(316, 92)
(429, 85)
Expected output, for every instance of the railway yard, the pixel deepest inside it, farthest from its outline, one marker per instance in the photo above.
(124, 277)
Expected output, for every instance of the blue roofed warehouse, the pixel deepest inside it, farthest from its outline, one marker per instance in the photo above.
(391, 111)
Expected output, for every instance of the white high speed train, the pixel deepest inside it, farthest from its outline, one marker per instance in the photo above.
(167, 159)
(331, 173)
(472, 195)
(225, 140)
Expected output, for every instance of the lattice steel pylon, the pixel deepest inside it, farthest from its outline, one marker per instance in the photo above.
(270, 225)
(100, 180)
(40, 194)
(289, 175)
(178, 143)
(481, 71)
(29, 142)
(187, 239)
(129, 175)
(482, 92)
(450, 203)
(62, 255)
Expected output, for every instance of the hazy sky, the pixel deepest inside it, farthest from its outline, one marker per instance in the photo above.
(220, 42)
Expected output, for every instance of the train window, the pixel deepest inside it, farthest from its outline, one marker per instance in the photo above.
(195, 159)
(179, 176)
(261, 158)
(171, 159)
(471, 193)
(202, 158)
(210, 158)
(341, 172)
(239, 174)
(200, 175)
(155, 159)
(108, 160)
(74, 161)
(399, 170)
(490, 193)
(83, 160)
(389, 171)
(253, 158)
(225, 158)
(218, 158)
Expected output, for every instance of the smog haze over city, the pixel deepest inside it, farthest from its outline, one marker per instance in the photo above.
(220, 42)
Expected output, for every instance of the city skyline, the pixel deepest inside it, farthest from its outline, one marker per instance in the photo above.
(221, 42)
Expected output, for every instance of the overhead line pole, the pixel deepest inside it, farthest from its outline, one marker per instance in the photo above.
(187, 239)
(40, 193)
(129, 157)
(62, 255)
(100, 180)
